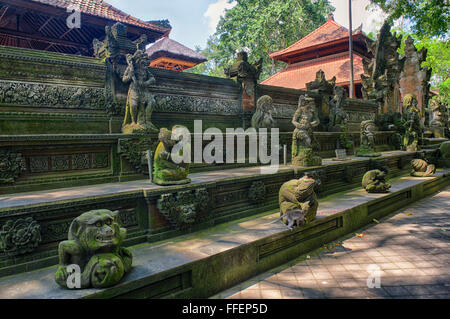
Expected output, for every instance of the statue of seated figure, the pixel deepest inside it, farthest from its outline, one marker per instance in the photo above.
(165, 170)
(299, 194)
(375, 182)
(94, 245)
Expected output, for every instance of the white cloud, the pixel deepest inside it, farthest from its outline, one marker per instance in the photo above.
(371, 19)
(215, 11)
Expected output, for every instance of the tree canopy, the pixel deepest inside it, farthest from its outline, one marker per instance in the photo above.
(429, 18)
(261, 27)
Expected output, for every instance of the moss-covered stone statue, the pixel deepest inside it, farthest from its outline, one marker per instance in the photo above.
(140, 103)
(421, 168)
(263, 114)
(367, 147)
(439, 120)
(444, 155)
(165, 170)
(297, 197)
(413, 126)
(374, 181)
(94, 245)
(305, 120)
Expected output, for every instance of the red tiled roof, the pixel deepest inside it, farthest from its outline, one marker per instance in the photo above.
(103, 9)
(173, 48)
(296, 75)
(329, 31)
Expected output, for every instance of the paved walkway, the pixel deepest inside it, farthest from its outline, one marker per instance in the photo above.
(411, 249)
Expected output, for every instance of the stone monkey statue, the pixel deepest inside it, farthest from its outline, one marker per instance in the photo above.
(165, 170)
(94, 244)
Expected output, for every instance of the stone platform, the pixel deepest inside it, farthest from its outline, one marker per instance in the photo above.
(201, 264)
(229, 198)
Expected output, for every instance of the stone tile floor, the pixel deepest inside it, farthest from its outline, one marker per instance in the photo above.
(410, 247)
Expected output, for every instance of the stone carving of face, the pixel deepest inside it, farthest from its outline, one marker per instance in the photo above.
(96, 230)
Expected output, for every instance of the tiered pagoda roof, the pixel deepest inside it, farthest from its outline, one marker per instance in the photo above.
(41, 25)
(325, 48)
(172, 55)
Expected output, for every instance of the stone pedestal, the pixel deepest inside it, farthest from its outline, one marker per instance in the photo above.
(304, 157)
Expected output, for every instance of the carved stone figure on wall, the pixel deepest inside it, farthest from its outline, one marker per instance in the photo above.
(298, 195)
(10, 166)
(247, 74)
(413, 126)
(338, 116)
(421, 168)
(305, 120)
(384, 70)
(263, 114)
(321, 85)
(94, 245)
(166, 171)
(117, 44)
(375, 182)
(20, 236)
(367, 147)
(140, 103)
(184, 208)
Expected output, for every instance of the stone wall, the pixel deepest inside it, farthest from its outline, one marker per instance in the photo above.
(51, 93)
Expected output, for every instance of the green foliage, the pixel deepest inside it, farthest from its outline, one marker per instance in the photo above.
(261, 27)
(427, 17)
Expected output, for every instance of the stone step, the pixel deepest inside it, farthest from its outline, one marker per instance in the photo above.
(204, 263)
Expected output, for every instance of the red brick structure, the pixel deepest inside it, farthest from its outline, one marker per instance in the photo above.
(325, 48)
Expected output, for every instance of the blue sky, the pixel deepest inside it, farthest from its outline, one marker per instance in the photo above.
(194, 20)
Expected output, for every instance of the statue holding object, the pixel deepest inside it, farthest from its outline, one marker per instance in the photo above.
(413, 126)
(94, 245)
(140, 103)
(367, 147)
(305, 120)
(166, 171)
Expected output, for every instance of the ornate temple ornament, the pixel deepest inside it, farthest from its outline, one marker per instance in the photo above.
(20, 236)
(11, 166)
(184, 208)
(246, 74)
(257, 192)
(384, 70)
(321, 85)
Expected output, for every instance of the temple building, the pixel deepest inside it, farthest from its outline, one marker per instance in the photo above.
(42, 25)
(326, 48)
(172, 55)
